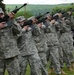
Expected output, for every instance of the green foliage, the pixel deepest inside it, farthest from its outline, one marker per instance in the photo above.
(33, 9)
(63, 8)
(36, 9)
(23, 13)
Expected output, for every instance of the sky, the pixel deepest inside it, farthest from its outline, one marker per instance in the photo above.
(37, 1)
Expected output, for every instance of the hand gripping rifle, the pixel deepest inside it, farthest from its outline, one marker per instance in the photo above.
(29, 22)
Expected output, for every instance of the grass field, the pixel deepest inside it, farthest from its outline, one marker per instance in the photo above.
(28, 71)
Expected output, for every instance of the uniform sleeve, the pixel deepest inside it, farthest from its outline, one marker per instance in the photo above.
(35, 30)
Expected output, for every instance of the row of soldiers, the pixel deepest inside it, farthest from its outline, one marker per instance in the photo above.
(36, 41)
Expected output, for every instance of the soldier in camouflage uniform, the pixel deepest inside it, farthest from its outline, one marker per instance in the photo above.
(8, 48)
(40, 43)
(58, 26)
(52, 43)
(65, 39)
(70, 22)
(28, 51)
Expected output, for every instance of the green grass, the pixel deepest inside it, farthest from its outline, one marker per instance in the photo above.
(28, 71)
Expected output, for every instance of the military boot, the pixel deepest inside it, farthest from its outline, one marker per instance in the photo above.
(51, 71)
(70, 69)
(62, 72)
(72, 65)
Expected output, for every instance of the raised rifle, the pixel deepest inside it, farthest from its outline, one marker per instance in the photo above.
(6, 17)
(39, 16)
(17, 9)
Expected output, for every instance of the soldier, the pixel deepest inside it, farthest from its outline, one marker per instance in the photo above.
(65, 39)
(52, 43)
(8, 47)
(68, 25)
(40, 43)
(70, 19)
(28, 52)
(58, 24)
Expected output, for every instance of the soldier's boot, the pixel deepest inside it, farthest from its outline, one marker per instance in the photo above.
(51, 71)
(72, 65)
(70, 69)
(62, 72)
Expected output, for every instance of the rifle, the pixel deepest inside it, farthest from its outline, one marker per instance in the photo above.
(39, 16)
(30, 22)
(41, 20)
(6, 17)
(17, 9)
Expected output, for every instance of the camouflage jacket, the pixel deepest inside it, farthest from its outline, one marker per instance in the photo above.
(39, 38)
(8, 45)
(26, 43)
(51, 35)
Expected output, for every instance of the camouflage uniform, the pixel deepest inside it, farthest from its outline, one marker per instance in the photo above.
(41, 46)
(8, 52)
(53, 44)
(71, 35)
(58, 28)
(28, 53)
(65, 43)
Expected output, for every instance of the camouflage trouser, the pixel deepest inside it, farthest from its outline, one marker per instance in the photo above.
(71, 53)
(54, 58)
(71, 48)
(42, 56)
(61, 56)
(33, 61)
(53, 54)
(48, 55)
(66, 54)
(11, 64)
(67, 47)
